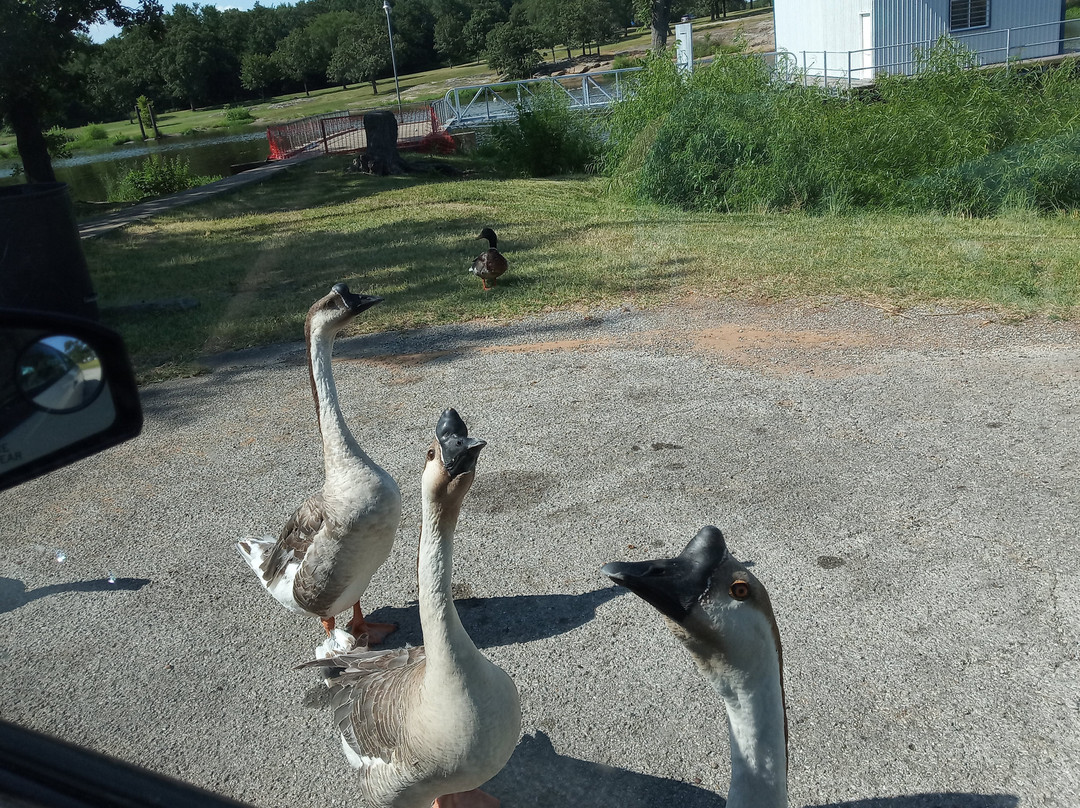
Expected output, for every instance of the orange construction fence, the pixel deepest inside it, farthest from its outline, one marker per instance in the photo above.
(343, 132)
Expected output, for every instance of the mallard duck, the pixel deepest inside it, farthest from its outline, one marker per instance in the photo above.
(324, 557)
(434, 722)
(491, 263)
(723, 616)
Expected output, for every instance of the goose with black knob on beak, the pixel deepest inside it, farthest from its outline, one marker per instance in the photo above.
(328, 550)
(722, 614)
(431, 723)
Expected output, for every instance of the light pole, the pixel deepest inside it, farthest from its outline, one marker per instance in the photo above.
(393, 61)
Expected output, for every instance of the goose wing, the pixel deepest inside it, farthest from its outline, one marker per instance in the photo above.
(295, 537)
(372, 696)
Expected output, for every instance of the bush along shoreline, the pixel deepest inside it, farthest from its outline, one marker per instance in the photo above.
(155, 176)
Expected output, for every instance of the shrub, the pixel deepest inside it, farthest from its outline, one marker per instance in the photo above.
(547, 138)
(58, 142)
(156, 176)
(234, 115)
(949, 139)
(95, 131)
(622, 61)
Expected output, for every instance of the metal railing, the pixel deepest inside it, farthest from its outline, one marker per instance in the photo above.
(1003, 46)
(343, 132)
(483, 104)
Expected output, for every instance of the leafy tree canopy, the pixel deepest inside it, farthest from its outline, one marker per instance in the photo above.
(37, 38)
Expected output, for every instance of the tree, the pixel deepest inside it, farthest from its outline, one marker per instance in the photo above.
(511, 49)
(660, 13)
(362, 54)
(296, 58)
(450, 38)
(122, 69)
(189, 54)
(549, 22)
(414, 34)
(324, 32)
(37, 37)
(485, 15)
(257, 72)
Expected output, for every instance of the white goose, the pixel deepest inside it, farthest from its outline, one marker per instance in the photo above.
(324, 558)
(430, 723)
(722, 614)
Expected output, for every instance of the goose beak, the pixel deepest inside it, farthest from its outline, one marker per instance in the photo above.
(464, 460)
(662, 583)
(673, 585)
(354, 302)
(459, 451)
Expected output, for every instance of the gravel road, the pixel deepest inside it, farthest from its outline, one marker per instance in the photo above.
(904, 485)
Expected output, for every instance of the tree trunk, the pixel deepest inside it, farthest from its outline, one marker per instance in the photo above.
(31, 142)
(661, 9)
(381, 156)
(374, 87)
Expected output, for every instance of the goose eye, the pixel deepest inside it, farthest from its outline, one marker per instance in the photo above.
(430, 454)
(740, 590)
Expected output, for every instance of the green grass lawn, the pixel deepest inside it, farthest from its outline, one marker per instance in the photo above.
(256, 259)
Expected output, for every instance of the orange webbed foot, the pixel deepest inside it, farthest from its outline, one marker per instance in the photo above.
(467, 799)
(376, 632)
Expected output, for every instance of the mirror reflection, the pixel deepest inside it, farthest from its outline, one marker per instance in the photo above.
(60, 374)
(53, 395)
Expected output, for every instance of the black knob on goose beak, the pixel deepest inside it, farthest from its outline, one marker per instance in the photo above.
(459, 451)
(354, 302)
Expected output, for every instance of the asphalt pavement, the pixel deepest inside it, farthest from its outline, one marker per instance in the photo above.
(905, 486)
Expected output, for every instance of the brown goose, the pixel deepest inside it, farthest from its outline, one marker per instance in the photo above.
(434, 722)
(326, 553)
(490, 264)
(722, 614)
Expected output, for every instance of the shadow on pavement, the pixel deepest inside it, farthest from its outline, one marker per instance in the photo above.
(492, 622)
(539, 777)
(950, 800)
(13, 592)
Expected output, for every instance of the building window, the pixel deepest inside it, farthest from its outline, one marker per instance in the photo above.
(968, 14)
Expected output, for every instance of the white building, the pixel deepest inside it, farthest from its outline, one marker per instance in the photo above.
(856, 39)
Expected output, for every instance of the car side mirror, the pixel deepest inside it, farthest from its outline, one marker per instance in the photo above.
(67, 391)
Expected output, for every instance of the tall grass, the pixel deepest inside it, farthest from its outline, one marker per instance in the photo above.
(949, 139)
(547, 138)
(155, 176)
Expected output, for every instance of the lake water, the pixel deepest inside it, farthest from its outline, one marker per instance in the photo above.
(208, 153)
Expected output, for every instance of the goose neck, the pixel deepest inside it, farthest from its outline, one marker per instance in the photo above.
(338, 441)
(757, 729)
(446, 643)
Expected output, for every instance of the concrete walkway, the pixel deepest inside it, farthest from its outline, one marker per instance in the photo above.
(152, 207)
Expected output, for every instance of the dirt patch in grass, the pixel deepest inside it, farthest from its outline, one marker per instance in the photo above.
(777, 350)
